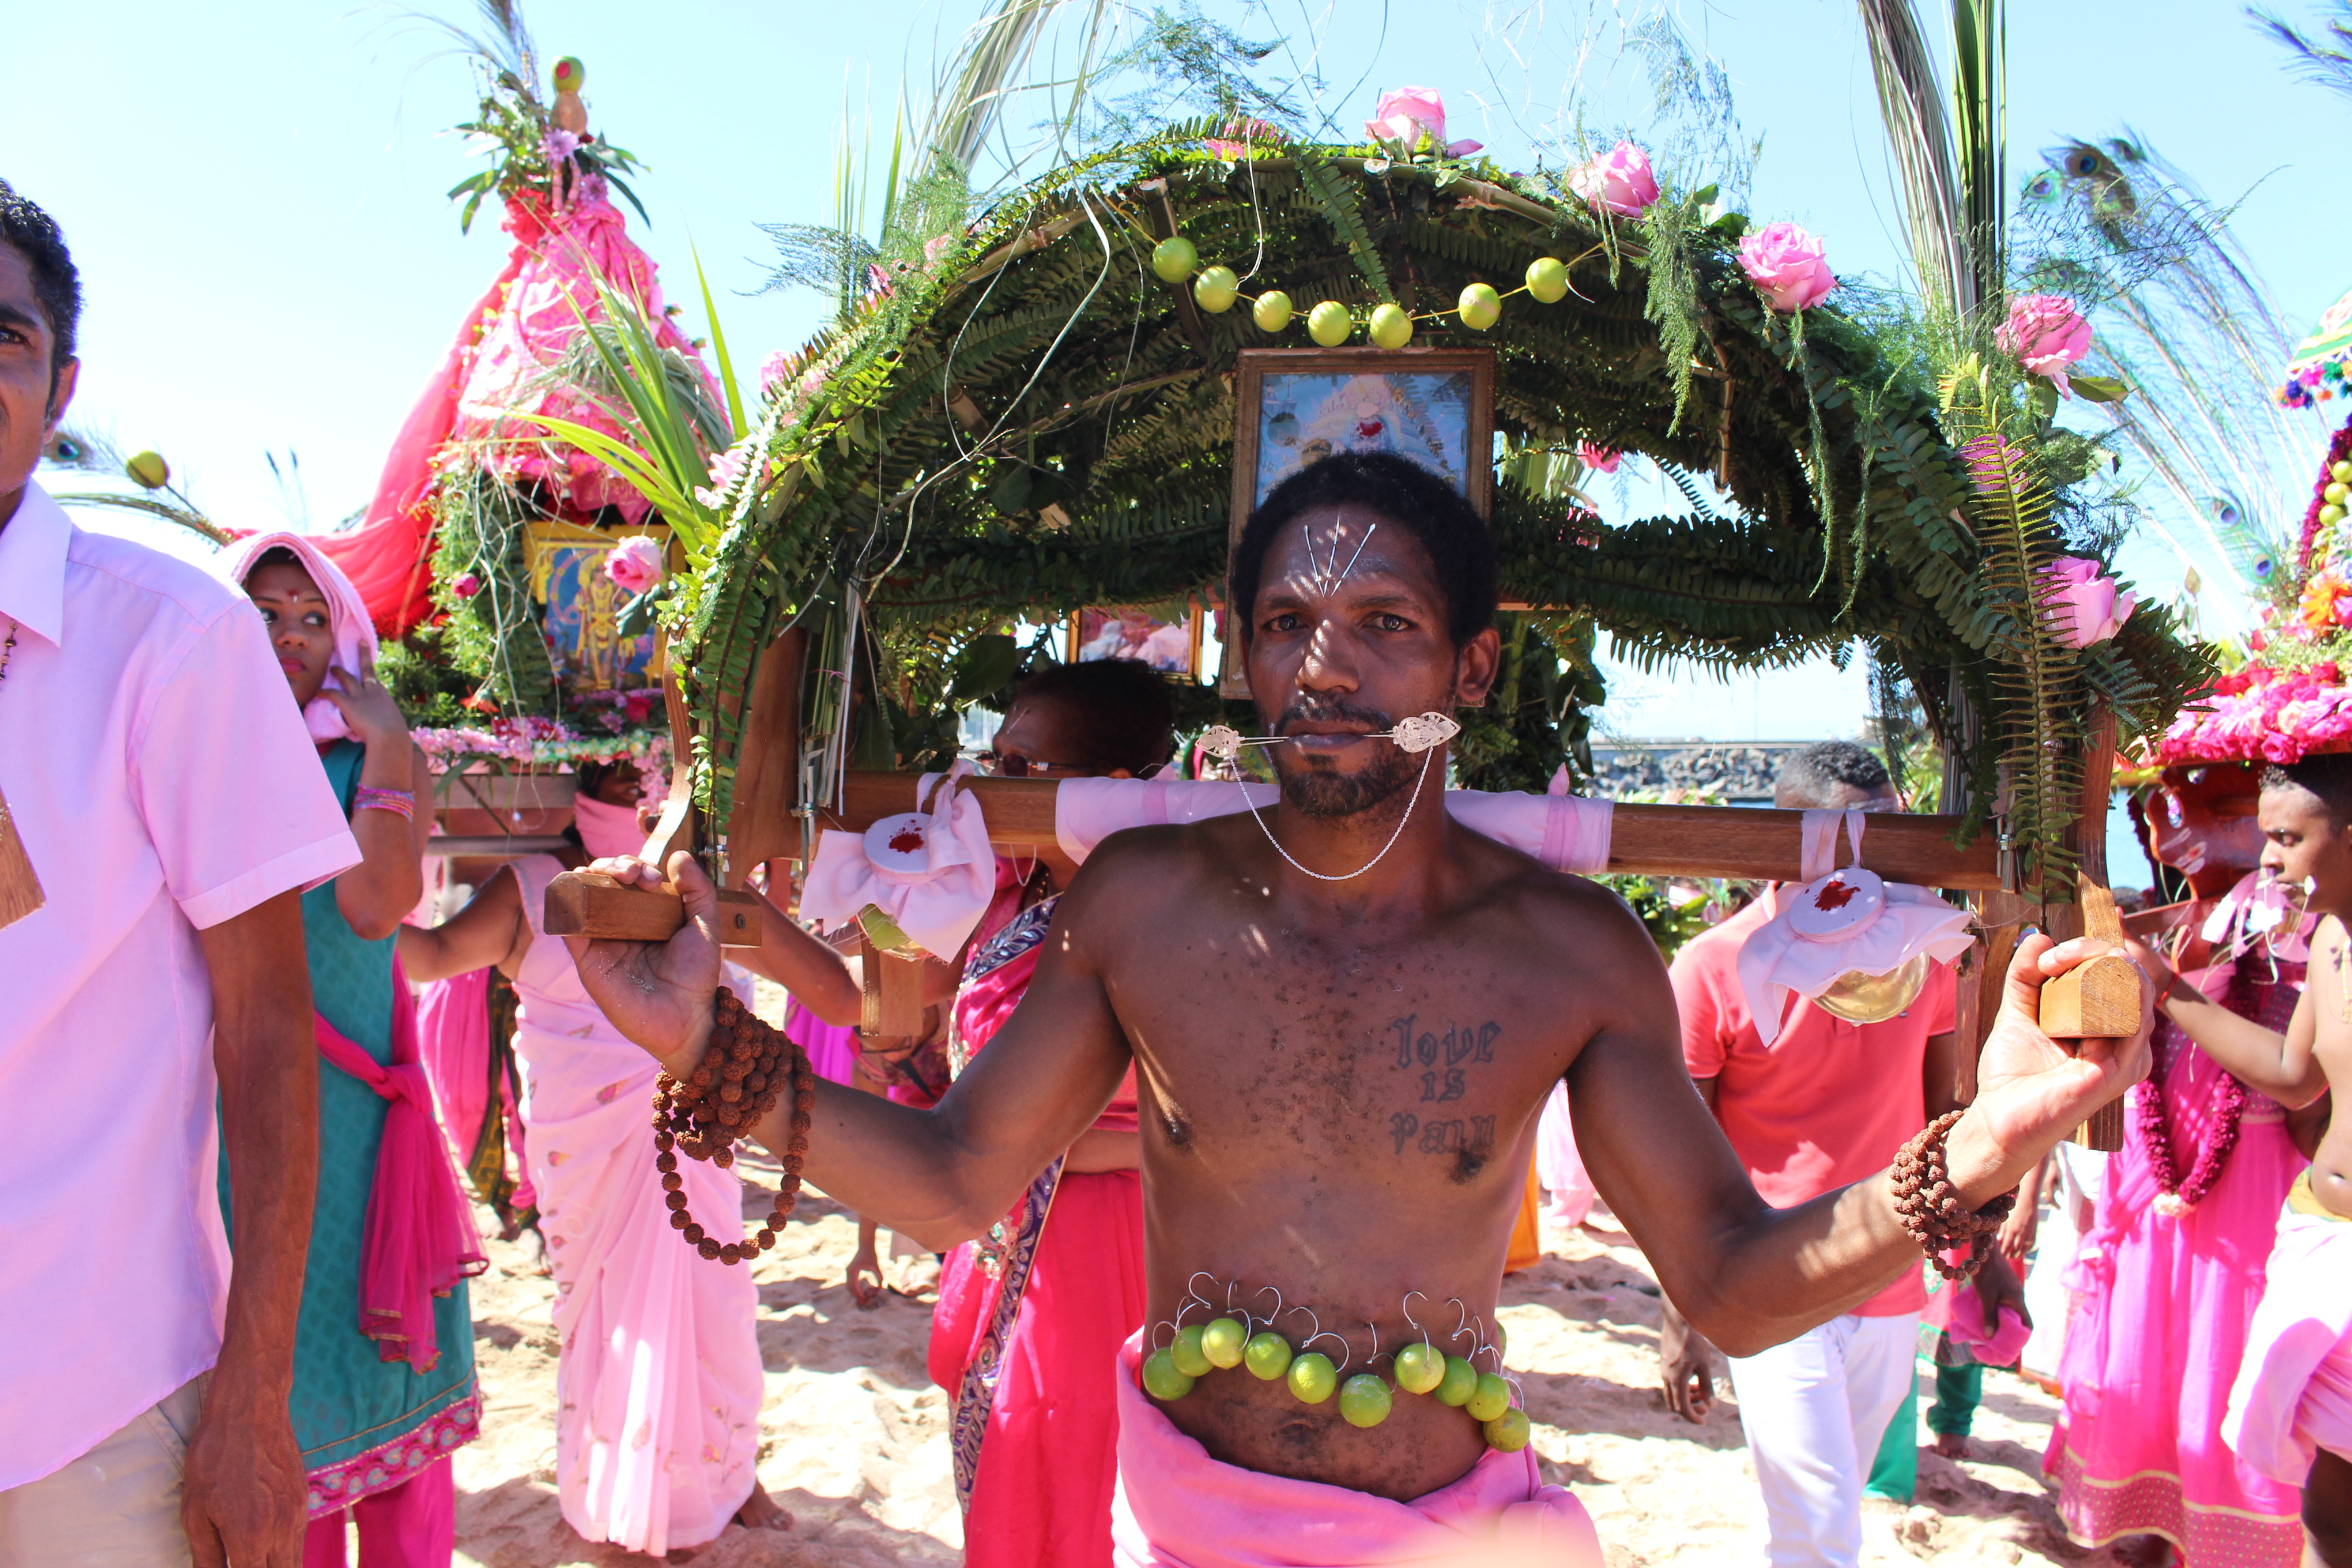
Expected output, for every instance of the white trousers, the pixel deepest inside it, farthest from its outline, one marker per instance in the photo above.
(1814, 1410)
(117, 1506)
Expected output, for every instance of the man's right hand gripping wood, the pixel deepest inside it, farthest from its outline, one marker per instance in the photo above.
(658, 993)
(2032, 1090)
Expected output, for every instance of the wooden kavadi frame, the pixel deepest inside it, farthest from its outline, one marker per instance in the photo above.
(1033, 421)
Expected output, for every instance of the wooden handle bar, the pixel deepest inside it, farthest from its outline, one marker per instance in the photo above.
(1748, 842)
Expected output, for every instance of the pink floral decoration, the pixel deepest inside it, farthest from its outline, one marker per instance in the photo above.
(636, 563)
(2047, 334)
(1787, 265)
(725, 469)
(466, 585)
(773, 369)
(1406, 114)
(557, 145)
(1618, 181)
(1600, 459)
(939, 244)
(2259, 714)
(2083, 604)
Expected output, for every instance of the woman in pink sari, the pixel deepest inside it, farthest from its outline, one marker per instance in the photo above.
(2173, 1264)
(658, 1377)
(1031, 1317)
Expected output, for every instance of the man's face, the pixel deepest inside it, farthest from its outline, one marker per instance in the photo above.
(1348, 635)
(2299, 842)
(1044, 739)
(28, 411)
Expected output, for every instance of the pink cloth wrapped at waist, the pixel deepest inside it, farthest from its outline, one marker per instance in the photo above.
(419, 1240)
(2293, 1393)
(1178, 1508)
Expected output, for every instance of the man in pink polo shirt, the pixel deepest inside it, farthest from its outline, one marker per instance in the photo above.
(171, 805)
(1824, 1104)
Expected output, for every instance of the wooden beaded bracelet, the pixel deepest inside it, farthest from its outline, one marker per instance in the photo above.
(1929, 1205)
(742, 1075)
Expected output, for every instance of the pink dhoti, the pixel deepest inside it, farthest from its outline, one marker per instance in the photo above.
(1178, 1508)
(658, 1380)
(1558, 1166)
(2293, 1394)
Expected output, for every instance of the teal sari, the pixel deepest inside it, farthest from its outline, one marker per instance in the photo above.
(364, 1425)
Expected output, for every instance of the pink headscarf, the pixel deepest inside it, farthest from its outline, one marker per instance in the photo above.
(606, 830)
(347, 616)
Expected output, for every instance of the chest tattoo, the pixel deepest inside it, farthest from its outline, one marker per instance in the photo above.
(1437, 1069)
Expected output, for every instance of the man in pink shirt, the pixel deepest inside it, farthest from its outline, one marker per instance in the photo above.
(171, 804)
(1826, 1102)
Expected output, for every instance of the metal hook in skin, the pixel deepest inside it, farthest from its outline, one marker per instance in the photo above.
(1406, 1307)
(1464, 1323)
(1376, 1342)
(1277, 1303)
(1322, 1333)
(1162, 1324)
(1191, 1295)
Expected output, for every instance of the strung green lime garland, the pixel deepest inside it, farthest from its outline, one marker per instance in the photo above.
(1365, 1400)
(1329, 323)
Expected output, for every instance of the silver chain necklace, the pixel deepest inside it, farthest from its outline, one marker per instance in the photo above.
(1351, 876)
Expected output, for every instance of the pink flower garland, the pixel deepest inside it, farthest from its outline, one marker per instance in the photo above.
(2176, 1198)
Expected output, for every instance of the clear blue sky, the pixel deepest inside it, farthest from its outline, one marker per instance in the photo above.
(253, 191)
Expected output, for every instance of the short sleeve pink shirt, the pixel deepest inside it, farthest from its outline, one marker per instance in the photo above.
(1828, 1102)
(161, 781)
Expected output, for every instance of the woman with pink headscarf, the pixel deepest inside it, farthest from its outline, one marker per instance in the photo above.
(658, 1379)
(384, 1352)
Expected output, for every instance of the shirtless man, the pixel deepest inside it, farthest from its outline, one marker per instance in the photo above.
(2290, 1415)
(1295, 1133)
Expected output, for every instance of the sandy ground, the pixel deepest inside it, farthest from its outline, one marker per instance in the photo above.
(855, 1446)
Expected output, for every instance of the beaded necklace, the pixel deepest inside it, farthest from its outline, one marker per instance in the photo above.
(2176, 1198)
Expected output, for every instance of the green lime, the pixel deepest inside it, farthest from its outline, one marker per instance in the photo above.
(1328, 323)
(1509, 1431)
(1267, 1355)
(1313, 1377)
(2341, 473)
(1487, 1400)
(1162, 1380)
(2329, 516)
(1392, 328)
(1480, 306)
(1419, 1368)
(1186, 1352)
(1173, 259)
(1221, 1339)
(1547, 278)
(148, 470)
(1461, 1381)
(1272, 311)
(1217, 289)
(1364, 1401)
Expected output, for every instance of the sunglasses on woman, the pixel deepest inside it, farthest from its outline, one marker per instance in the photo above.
(1020, 767)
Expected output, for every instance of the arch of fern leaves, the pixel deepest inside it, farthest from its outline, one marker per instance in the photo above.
(1044, 355)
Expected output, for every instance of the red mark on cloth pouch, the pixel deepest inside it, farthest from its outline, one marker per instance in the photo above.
(1834, 896)
(906, 841)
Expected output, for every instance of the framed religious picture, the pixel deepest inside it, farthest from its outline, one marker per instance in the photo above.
(1296, 406)
(581, 606)
(1167, 637)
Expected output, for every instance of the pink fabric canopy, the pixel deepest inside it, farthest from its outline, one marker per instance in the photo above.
(497, 368)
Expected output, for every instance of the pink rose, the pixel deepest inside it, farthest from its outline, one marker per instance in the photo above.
(773, 369)
(635, 564)
(1600, 459)
(939, 244)
(2047, 334)
(466, 586)
(1618, 181)
(2082, 603)
(1406, 114)
(1788, 266)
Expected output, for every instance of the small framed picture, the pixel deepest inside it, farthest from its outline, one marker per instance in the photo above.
(1296, 406)
(1165, 636)
(581, 607)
